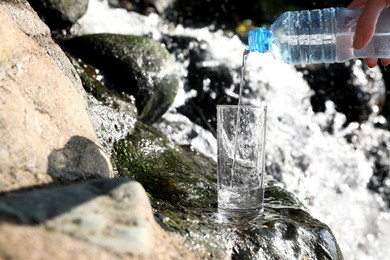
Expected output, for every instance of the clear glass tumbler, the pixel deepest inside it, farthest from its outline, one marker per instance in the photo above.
(241, 145)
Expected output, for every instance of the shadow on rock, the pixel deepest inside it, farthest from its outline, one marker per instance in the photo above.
(94, 211)
(42, 204)
(80, 158)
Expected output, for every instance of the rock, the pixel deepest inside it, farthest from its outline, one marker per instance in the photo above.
(111, 217)
(60, 14)
(28, 22)
(80, 158)
(341, 83)
(182, 186)
(41, 110)
(136, 65)
(113, 115)
(31, 242)
(121, 221)
(114, 214)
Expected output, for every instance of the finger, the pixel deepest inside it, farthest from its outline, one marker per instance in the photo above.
(365, 25)
(371, 62)
(357, 4)
(385, 62)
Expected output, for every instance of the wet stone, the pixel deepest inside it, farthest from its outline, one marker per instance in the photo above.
(113, 114)
(182, 186)
(136, 65)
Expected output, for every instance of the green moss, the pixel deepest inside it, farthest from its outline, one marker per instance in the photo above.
(168, 172)
(136, 65)
(91, 84)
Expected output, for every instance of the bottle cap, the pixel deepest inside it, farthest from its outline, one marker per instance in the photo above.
(259, 40)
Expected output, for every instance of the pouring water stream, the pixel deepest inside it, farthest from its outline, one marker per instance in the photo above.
(238, 121)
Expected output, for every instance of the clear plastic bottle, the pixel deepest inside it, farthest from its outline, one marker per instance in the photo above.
(320, 36)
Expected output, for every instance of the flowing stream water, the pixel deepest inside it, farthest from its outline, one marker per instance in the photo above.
(326, 172)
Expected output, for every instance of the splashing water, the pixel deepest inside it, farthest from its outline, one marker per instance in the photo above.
(326, 172)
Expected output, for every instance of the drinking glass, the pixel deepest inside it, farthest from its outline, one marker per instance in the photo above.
(241, 143)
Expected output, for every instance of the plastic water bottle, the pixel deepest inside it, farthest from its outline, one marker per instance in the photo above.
(320, 36)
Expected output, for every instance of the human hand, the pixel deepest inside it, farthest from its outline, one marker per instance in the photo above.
(366, 23)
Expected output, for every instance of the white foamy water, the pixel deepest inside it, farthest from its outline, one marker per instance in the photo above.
(328, 174)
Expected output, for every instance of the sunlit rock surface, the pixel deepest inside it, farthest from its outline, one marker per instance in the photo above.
(102, 219)
(45, 136)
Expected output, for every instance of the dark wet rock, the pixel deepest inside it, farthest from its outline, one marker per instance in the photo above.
(182, 186)
(166, 171)
(60, 14)
(136, 65)
(357, 91)
(113, 115)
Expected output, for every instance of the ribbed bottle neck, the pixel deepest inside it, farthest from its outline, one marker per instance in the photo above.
(259, 40)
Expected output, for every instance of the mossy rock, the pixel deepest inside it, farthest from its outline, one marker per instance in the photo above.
(182, 187)
(136, 65)
(113, 114)
(168, 172)
(90, 77)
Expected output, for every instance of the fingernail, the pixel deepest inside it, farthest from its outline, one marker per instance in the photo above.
(385, 63)
(357, 41)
